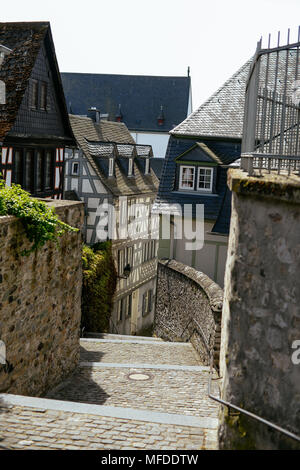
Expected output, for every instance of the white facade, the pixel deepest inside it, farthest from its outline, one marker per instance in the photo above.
(158, 140)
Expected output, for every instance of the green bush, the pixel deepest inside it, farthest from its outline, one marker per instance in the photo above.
(99, 283)
(39, 220)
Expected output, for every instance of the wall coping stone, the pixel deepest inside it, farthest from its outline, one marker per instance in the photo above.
(270, 185)
(211, 289)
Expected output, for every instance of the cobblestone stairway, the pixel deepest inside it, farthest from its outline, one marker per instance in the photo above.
(127, 393)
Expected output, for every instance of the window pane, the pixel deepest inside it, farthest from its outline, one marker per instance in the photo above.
(39, 171)
(48, 170)
(205, 178)
(29, 164)
(18, 170)
(129, 305)
(43, 95)
(187, 177)
(34, 95)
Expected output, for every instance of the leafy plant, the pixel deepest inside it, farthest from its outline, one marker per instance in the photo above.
(99, 283)
(39, 220)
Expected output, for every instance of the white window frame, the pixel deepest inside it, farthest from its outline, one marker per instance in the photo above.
(182, 167)
(111, 167)
(208, 190)
(73, 172)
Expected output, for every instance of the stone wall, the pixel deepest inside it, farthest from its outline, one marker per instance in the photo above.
(261, 314)
(188, 307)
(40, 305)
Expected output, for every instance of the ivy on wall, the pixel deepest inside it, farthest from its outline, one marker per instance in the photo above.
(99, 283)
(39, 220)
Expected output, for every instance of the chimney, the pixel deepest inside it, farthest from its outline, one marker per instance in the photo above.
(94, 114)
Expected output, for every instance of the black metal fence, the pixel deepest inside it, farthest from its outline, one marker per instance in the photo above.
(272, 111)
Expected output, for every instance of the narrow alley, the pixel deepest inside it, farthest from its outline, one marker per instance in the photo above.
(127, 393)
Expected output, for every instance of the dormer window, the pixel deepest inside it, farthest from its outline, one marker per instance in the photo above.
(130, 167)
(205, 179)
(111, 167)
(187, 177)
(147, 166)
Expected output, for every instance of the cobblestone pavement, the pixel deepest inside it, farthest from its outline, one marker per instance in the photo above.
(169, 391)
(154, 353)
(143, 410)
(27, 428)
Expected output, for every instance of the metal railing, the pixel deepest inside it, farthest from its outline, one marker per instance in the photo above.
(213, 370)
(242, 410)
(267, 163)
(272, 111)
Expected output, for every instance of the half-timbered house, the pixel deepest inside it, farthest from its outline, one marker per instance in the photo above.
(34, 123)
(109, 168)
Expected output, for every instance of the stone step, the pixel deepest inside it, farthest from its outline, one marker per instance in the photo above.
(120, 337)
(109, 411)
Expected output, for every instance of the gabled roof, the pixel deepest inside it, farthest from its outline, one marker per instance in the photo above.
(25, 41)
(140, 98)
(199, 153)
(99, 142)
(222, 114)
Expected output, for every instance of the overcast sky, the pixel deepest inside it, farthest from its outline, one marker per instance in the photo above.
(159, 37)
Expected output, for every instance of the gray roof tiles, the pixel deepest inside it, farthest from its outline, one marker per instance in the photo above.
(222, 114)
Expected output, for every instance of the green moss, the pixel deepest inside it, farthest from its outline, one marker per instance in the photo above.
(40, 222)
(99, 283)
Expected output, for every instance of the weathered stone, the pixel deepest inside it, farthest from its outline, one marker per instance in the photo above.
(187, 298)
(42, 343)
(261, 305)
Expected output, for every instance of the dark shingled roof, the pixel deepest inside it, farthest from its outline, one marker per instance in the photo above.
(25, 41)
(140, 97)
(105, 139)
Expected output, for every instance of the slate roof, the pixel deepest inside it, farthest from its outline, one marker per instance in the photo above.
(25, 41)
(105, 139)
(222, 114)
(140, 97)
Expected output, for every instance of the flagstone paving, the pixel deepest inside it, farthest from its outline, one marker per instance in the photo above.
(101, 407)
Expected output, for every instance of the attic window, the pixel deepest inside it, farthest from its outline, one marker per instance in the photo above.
(34, 94)
(111, 167)
(187, 177)
(43, 95)
(205, 179)
(130, 167)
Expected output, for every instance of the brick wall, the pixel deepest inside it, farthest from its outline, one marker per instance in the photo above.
(40, 305)
(188, 307)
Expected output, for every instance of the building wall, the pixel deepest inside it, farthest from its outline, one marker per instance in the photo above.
(210, 259)
(92, 192)
(188, 307)
(159, 141)
(35, 121)
(40, 305)
(261, 316)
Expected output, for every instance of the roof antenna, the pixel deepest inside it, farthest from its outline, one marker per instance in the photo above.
(188, 71)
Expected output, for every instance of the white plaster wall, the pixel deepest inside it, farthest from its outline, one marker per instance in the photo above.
(159, 142)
